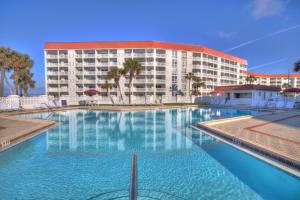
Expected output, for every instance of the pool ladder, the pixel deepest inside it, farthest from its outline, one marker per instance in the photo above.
(133, 178)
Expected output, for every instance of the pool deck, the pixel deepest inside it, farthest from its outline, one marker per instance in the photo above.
(14, 130)
(276, 134)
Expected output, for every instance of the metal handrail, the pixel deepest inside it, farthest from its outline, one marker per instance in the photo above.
(133, 178)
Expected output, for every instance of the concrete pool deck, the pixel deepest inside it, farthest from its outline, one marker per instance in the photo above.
(14, 130)
(277, 134)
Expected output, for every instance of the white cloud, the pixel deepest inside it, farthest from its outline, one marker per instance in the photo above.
(268, 8)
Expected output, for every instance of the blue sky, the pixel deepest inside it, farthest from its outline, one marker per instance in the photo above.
(272, 25)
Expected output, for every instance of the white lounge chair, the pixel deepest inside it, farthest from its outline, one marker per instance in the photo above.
(15, 106)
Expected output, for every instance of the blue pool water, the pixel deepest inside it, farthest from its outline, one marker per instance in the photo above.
(88, 156)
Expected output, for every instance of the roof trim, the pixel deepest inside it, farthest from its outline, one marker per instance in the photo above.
(140, 44)
(272, 75)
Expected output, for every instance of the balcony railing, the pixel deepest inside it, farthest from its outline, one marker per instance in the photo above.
(52, 56)
(63, 81)
(102, 55)
(160, 72)
(52, 81)
(159, 55)
(52, 64)
(89, 64)
(89, 55)
(52, 72)
(162, 64)
(63, 55)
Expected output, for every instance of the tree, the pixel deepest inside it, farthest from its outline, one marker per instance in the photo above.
(189, 76)
(16, 61)
(116, 74)
(198, 83)
(251, 79)
(5, 54)
(25, 80)
(107, 86)
(132, 67)
(297, 66)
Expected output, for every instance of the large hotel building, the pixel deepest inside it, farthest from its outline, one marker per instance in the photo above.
(73, 67)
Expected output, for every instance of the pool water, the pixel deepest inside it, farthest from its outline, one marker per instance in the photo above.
(88, 156)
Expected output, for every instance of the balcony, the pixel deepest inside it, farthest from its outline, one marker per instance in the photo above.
(78, 64)
(53, 73)
(89, 72)
(52, 64)
(102, 64)
(102, 73)
(63, 81)
(86, 64)
(89, 55)
(113, 55)
(160, 80)
(161, 72)
(159, 55)
(113, 63)
(63, 64)
(63, 89)
(90, 81)
(139, 55)
(52, 56)
(197, 58)
(102, 55)
(161, 64)
(160, 89)
(63, 55)
(63, 73)
(52, 81)
(78, 56)
(52, 89)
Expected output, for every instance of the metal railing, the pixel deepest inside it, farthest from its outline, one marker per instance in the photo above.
(133, 178)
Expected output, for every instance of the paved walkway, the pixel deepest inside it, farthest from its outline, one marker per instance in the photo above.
(15, 130)
(277, 132)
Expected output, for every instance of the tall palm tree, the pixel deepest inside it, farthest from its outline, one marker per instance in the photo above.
(198, 83)
(107, 86)
(116, 74)
(297, 66)
(132, 67)
(189, 76)
(24, 76)
(17, 61)
(5, 54)
(251, 79)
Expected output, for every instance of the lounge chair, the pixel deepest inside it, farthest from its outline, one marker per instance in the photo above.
(15, 106)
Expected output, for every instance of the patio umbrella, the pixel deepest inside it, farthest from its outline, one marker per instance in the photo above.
(91, 92)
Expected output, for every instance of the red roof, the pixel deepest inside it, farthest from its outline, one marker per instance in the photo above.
(141, 44)
(248, 87)
(272, 75)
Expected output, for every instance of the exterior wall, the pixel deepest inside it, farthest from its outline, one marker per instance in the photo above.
(69, 72)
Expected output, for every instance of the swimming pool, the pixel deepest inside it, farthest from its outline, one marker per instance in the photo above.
(88, 156)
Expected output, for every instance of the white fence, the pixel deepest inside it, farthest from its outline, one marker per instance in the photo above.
(14, 101)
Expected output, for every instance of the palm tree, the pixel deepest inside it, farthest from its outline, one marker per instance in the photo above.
(116, 74)
(133, 68)
(107, 86)
(251, 79)
(297, 66)
(24, 76)
(17, 61)
(198, 83)
(189, 76)
(5, 54)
